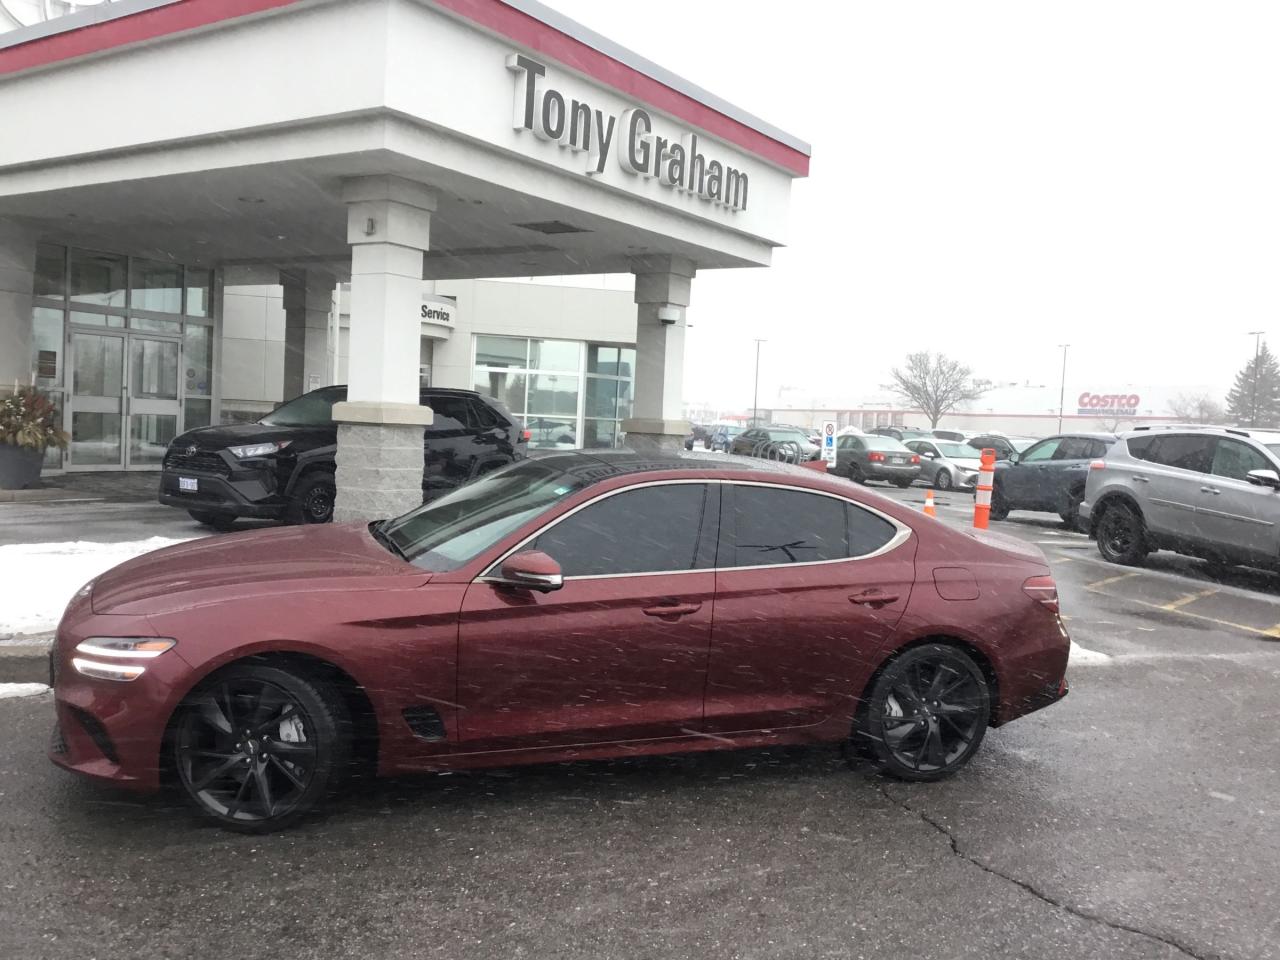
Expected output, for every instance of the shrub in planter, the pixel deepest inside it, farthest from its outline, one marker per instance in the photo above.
(28, 427)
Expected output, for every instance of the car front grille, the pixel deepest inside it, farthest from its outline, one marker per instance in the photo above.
(201, 461)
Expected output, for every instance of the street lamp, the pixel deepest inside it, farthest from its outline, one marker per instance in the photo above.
(1062, 388)
(755, 401)
(1257, 353)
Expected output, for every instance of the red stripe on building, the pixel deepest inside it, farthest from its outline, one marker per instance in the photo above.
(490, 14)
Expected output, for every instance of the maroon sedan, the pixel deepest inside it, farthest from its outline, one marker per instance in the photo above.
(566, 607)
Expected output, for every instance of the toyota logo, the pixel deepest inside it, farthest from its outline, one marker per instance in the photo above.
(192, 450)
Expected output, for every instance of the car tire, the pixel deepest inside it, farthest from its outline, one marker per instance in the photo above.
(313, 499)
(219, 521)
(856, 475)
(902, 484)
(999, 506)
(256, 775)
(1122, 536)
(926, 714)
(942, 480)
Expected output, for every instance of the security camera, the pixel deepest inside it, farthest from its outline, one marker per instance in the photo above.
(669, 314)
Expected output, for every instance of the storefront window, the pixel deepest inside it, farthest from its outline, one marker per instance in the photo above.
(84, 318)
(502, 352)
(46, 356)
(554, 394)
(197, 359)
(97, 278)
(152, 325)
(51, 271)
(197, 413)
(563, 355)
(507, 387)
(199, 292)
(155, 286)
(540, 381)
(609, 372)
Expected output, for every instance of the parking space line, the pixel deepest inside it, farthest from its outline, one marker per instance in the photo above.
(1189, 598)
(1270, 633)
(1110, 580)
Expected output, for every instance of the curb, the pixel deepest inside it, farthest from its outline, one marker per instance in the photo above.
(24, 663)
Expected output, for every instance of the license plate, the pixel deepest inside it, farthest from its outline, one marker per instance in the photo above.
(898, 460)
(188, 484)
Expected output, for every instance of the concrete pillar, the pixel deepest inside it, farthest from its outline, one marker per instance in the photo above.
(17, 285)
(308, 297)
(662, 295)
(380, 427)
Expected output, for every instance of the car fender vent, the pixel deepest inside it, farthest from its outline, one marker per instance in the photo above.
(425, 722)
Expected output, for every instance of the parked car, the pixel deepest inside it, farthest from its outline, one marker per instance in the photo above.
(282, 467)
(945, 464)
(775, 443)
(1048, 476)
(876, 458)
(722, 437)
(1209, 493)
(1004, 445)
(453, 636)
(698, 436)
(901, 434)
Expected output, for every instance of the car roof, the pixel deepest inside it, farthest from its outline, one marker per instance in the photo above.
(606, 464)
(1262, 436)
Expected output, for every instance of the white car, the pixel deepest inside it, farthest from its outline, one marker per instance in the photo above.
(947, 464)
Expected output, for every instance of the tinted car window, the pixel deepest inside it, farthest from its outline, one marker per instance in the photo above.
(777, 526)
(638, 531)
(314, 409)
(867, 531)
(1073, 448)
(1186, 451)
(1234, 460)
(481, 416)
(1141, 447)
(449, 413)
(1097, 448)
(1044, 450)
(847, 443)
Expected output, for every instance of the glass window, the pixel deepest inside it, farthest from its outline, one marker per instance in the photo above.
(197, 359)
(776, 526)
(624, 399)
(1044, 450)
(482, 415)
(97, 366)
(97, 278)
(648, 530)
(1097, 448)
(198, 413)
(867, 531)
(52, 455)
(502, 352)
(309, 410)
(554, 394)
(564, 355)
(51, 271)
(95, 438)
(1141, 447)
(152, 325)
(199, 292)
(610, 361)
(600, 434)
(153, 369)
(507, 388)
(149, 437)
(1185, 451)
(602, 398)
(46, 346)
(847, 443)
(86, 319)
(1073, 448)
(1233, 459)
(550, 434)
(449, 413)
(156, 286)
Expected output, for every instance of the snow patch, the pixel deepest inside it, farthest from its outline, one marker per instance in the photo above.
(1080, 657)
(10, 690)
(41, 578)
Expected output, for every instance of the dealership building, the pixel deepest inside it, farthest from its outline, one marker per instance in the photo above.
(290, 219)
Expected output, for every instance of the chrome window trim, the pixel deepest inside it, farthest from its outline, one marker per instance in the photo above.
(903, 534)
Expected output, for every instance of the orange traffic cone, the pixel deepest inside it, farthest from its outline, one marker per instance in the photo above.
(929, 509)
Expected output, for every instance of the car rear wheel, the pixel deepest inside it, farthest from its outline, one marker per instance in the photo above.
(942, 480)
(902, 484)
(926, 714)
(999, 506)
(856, 474)
(219, 521)
(258, 747)
(313, 500)
(1122, 536)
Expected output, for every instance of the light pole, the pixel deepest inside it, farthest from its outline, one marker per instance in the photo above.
(1257, 352)
(1062, 388)
(755, 400)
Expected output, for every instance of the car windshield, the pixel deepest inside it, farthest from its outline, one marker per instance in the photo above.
(314, 409)
(955, 451)
(454, 529)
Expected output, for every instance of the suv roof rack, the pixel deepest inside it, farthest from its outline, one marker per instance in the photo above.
(1189, 426)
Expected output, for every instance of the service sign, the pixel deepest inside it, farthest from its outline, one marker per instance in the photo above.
(438, 315)
(1107, 404)
(829, 442)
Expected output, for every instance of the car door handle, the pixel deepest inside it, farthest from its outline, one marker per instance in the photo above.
(672, 610)
(1214, 490)
(873, 598)
(1142, 479)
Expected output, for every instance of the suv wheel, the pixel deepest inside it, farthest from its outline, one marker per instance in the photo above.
(942, 480)
(313, 499)
(219, 521)
(1122, 537)
(999, 506)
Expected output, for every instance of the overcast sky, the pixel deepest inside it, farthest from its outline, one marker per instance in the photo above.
(991, 180)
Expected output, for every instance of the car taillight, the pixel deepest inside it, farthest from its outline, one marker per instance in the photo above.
(1042, 590)
(875, 457)
(916, 458)
(1098, 465)
(527, 436)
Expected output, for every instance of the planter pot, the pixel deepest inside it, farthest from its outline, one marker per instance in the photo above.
(19, 467)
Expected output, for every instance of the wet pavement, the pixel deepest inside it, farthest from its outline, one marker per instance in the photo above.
(1138, 818)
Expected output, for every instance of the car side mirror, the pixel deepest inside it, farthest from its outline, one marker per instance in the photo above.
(1264, 478)
(1013, 456)
(531, 570)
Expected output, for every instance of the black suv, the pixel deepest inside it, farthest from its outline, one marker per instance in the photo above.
(282, 467)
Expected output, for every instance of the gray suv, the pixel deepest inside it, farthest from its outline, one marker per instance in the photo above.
(1210, 492)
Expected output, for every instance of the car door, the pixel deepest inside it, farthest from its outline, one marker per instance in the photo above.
(1231, 511)
(1066, 472)
(620, 651)
(929, 459)
(1020, 482)
(848, 449)
(809, 587)
(1178, 466)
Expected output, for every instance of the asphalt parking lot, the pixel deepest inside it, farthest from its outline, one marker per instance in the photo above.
(1138, 818)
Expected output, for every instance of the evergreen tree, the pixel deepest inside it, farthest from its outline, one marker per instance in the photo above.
(1254, 400)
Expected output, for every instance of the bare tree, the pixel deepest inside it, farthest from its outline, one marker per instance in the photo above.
(935, 384)
(1197, 408)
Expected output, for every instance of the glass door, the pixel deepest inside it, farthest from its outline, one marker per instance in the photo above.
(152, 404)
(97, 401)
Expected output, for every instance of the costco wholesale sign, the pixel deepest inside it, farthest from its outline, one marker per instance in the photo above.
(1108, 404)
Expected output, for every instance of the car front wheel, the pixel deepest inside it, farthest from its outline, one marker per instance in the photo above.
(1122, 536)
(942, 480)
(926, 714)
(257, 747)
(313, 500)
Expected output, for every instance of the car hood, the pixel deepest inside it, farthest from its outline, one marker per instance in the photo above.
(967, 464)
(237, 566)
(233, 434)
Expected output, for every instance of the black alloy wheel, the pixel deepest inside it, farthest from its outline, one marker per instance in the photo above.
(942, 480)
(1121, 535)
(927, 713)
(314, 498)
(258, 747)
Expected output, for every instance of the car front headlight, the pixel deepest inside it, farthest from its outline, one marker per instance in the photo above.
(118, 658)
(259, 449)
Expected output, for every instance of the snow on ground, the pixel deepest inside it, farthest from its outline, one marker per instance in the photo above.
(39, 579)
(1082, 657)
(10, 690)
